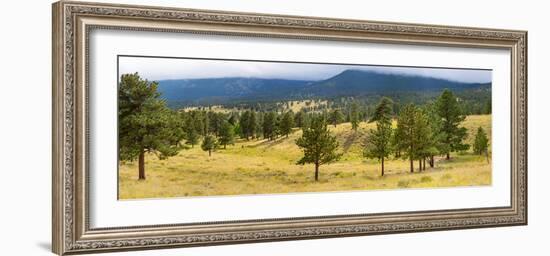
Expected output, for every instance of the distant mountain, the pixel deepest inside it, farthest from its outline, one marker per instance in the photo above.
(220, 90)
(360, 82)
(348, 83)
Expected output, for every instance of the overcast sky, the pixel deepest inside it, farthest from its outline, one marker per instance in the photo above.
(168, 68)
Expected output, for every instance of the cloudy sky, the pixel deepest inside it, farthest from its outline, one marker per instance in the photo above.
(171, 68)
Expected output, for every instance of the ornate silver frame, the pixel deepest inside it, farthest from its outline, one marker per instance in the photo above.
(72, 22)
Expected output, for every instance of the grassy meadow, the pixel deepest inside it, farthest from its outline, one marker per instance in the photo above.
(267, 167)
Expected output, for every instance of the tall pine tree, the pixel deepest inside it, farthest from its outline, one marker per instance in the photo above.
(481, 142)
(227, 134)
(146, 125)
(287, 122)
(318, 145)
(449, 111)
(336, 117)
(378, 143)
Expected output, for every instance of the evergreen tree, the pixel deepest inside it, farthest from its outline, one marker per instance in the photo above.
(378, 143)
(251, 127)
(259, 124)
(227, 134)
(426, 147)
(383, 110)
(192, 137)
(233, 119)
(299, 119)
(146, 125)
(336, 117)
(269, 125)
(436, 136)
(209, 143)
(354, 116)
(406, 125)
(287, 122)
(449, 111)
(318, 145)
(244, 124)
(481, 142)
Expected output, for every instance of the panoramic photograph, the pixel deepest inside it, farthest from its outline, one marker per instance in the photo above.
(192, 127)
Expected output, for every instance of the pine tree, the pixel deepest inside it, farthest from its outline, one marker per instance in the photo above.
(251, 127)
(449, 111)
(209, 143)
(436, 136)
(146, 125)
(384, 110)
(233, 119)
(244, 124)
(318, 145)
(406, 132)
(378, 143)
(354, 116)
(336, 117)
(287, 122)
(269, 125)
(192, 137)
(299, 119)
(424, 136)
(481, 142)
(227, 134)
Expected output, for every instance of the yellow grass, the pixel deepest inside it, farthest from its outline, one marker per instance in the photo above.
(267, 167)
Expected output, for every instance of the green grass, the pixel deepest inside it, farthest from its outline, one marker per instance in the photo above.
(267, 167)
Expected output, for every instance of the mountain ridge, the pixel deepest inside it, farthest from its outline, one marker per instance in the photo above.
(350, 82)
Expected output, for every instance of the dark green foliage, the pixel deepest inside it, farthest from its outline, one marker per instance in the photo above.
(378, 143)
(335, 117)
(481, 142)
(354, 116)
(227, 134)
(209, 143)
(384, 110)
(287, 122)
(318, 145)
(270, 125)
(413, 132)
(192, 137)
(252, 124)
(435, 139)
(299, 119)
(233, 119)
(146, 125)
(244, 124)
(451, 115)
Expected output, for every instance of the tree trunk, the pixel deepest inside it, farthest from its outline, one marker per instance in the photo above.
(448, 155)
(316, 171)
(142, 165)
(412, 164)
(382, 166)
(424, 163)
(209, 152)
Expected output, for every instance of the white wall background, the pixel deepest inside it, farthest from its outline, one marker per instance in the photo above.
(25, 140)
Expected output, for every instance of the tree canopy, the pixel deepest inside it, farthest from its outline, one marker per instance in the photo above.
(146, 125)
(449, 111)
(318, 145)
